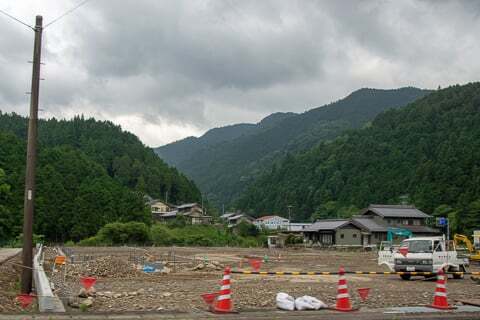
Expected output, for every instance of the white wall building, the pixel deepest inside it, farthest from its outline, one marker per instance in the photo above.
(298, 226)
(272, 222)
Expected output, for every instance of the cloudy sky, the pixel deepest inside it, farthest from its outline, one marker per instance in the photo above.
(167, 69)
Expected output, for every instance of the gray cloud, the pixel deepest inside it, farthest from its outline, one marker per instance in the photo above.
(181, 67)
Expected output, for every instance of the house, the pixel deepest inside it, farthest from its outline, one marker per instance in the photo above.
(237, 218)
(331, 232)
(400, 216)
(370, 227)
(159, 206)
(298, 226)
(191, 211)
(225, 216)
(271, 222)
(190, 208)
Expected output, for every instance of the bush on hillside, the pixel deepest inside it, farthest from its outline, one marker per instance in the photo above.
(246, 229)
(125, 233)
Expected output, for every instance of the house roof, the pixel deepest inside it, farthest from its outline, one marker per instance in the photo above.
(238, 216)
(169, 214)
(328, 224)
(227, 215)
(187, 205)
(395, 211)
(369, 224)
(269, 217)
(421, 229)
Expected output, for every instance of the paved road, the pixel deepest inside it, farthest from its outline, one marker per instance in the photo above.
(262, 315)
(6, 254)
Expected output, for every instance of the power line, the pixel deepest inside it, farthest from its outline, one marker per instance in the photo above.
(66, 13)
(18, 20)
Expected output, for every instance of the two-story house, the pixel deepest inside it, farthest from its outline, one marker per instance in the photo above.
(272, 222)
(232, 219)
(370, 227)
(193, 212)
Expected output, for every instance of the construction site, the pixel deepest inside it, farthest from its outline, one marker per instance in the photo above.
(173, 279)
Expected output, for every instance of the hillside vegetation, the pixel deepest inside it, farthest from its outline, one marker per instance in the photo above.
(427, 153)
(223, 167)
(89, 173)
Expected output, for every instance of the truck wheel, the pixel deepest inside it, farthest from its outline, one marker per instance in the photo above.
(459, 276)
(405, 276)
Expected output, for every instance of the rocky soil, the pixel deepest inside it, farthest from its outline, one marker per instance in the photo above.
(10, 286)
(122, 285)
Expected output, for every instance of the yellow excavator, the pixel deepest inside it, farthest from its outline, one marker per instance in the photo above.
(472, 252)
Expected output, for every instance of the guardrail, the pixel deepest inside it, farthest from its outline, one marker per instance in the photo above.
(47, 301)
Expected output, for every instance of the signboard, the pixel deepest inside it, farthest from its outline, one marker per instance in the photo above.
(441, 222)
(60, 260)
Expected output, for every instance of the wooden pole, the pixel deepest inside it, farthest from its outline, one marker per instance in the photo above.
(29, 200)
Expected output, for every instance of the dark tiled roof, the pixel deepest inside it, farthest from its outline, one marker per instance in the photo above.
(421, 229)
(396, 211)
(326, 225)
(369, 224)
(187, 205)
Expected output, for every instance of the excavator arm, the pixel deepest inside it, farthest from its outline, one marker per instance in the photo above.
(460, 238)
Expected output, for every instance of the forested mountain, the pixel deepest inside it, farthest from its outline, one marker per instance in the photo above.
(185, 149)
(427, 153)
(89, 173)
(222, 170)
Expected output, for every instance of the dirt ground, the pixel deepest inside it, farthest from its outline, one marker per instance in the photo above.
(10, 286)
(120, 287)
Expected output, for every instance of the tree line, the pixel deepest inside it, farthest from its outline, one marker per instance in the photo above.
(89, 173)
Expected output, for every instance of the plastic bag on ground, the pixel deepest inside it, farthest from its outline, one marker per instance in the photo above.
(309, 303)
(285, 302)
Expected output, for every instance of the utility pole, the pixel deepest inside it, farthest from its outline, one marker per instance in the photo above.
(29, 201)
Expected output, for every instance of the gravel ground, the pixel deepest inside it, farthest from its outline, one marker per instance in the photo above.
(10, 286)
(122, 288)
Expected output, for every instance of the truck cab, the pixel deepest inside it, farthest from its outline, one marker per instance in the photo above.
(423, 254)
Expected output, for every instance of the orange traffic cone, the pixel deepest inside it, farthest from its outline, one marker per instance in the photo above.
(343, 298)
(224, 299)
(440, 297)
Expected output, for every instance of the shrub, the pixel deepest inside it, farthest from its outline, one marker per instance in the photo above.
(165, 235)
(125, 233)
(91, 242)
(246, 229)
(69, 243)
(161, 235)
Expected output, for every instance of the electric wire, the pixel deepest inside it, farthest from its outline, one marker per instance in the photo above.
(16, 19)
(66, 13)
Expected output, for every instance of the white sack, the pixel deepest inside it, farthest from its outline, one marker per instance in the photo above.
(285, 302)
(309, 303)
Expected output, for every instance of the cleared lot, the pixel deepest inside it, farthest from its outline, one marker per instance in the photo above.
(193, 271)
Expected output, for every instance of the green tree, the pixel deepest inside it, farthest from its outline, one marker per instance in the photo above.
(5, 214)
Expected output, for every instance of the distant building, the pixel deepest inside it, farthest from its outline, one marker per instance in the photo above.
(234, 218)
(330, 232)
(298, 226)
(370, 227)
(159, 206)
(191, 211)
(272, 222)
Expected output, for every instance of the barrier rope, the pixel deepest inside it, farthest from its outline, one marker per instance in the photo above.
(328, 273)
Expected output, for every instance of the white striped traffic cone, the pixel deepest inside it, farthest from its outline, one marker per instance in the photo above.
(343, 298)
(440, 297)
(224, 299)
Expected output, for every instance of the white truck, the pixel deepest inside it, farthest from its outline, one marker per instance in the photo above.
(424, 254)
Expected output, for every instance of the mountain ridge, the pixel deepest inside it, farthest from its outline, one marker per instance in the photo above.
(222, 170)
